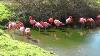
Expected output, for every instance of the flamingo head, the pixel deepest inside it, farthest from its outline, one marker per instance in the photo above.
(70, 16)
(30, 17)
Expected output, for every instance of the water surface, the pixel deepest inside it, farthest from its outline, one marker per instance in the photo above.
(70, 43)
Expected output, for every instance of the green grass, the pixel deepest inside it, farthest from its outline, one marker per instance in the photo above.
(4, 11)
(10, 47)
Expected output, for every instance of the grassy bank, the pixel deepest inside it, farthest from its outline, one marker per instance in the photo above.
(9, 47)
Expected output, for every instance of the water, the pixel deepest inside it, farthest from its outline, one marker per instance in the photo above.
(90, 48)
(76, 45)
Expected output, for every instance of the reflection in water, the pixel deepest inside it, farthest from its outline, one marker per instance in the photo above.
(91, 48)
(95, 41)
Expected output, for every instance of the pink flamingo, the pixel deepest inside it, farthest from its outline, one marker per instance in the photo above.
(50, 20)
(11, 25)
(90, 22)
(98, 19)
(16, 25)
(69, 21)
(30, 17)
(82, 21)
(39, 25)
(22, 29)
(32, 22)
(27, 31)
(58, 23)
(45, 25)
(98, 16)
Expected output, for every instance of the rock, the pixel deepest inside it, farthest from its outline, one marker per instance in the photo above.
(35, 41)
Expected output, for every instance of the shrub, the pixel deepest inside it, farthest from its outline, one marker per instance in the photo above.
(4, 12)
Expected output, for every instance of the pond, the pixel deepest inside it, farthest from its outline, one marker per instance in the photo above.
(71, 42)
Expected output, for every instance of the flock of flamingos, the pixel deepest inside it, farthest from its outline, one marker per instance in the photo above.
(45, 24)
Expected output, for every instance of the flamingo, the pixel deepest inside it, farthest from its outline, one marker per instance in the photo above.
(11, 25)
(82, 21)
(69, 21)
(45, 25)
(39, 25)
(50, 20)
(98, 19)
(98, 16)
(16, 25)
(58, 23)
(30, 17)
(32, 22)
(22, 29)
(27, 31)
(90, 22)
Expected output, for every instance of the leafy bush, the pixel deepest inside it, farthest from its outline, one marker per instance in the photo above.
(4, 22)
(60, 9)
(42, 9)
(4, 12)
(9, 47)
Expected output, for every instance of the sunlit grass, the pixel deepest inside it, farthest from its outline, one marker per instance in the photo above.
(10, 47)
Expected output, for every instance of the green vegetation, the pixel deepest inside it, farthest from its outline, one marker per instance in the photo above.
(42, 9)
(4, 12)
(9, 47)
